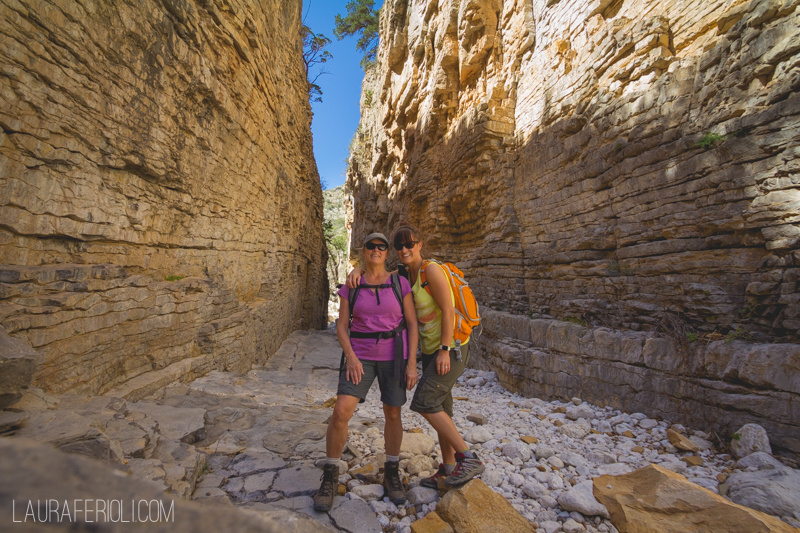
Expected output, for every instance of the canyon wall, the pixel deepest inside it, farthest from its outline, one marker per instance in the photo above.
(160, 207)
(618, 173)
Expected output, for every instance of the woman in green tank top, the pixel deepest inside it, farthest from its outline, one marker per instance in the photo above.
(433, 398)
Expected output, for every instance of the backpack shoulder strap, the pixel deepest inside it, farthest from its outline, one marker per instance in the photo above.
(402, 270)
(423, 278)
(397, 289)
(351, 301)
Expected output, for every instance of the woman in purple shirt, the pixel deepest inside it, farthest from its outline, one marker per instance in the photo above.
(383, 327)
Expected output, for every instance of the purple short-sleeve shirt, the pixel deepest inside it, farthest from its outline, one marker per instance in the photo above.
(370, 317)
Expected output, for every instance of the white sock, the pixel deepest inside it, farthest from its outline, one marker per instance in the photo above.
(449, 468)
(392, 458)
(332, 460)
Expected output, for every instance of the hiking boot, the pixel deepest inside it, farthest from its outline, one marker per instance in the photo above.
(323, 499)
(394, 488)
(466, 469)
(432, 482)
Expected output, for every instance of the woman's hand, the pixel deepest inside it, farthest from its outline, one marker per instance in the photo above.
(443, 362)
(354, 369)
(354, 277)
(411, 376)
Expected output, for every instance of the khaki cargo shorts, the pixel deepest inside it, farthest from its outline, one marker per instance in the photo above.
(434, 392)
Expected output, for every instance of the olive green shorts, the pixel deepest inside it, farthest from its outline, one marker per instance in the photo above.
(434, 392)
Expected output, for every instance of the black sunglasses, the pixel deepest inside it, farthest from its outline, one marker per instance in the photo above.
(379, 245)
(400, 245)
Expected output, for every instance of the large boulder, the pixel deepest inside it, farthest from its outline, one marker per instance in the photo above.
(774, 488)
(655, 500)
(475, 507)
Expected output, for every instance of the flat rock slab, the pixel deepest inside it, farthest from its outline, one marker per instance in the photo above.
(254, 463)
(69, 432)
(298, 480)
(176, 423)
(151, 470)
(132, 438)
(301, 505)
(10, 420)
(656, 500)
(354, 516)
(259, 482)
(41, 472)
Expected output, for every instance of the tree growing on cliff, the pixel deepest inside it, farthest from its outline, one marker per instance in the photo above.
(362, 20)
(314, 53)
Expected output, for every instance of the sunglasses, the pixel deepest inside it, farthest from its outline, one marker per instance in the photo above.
(379, 245)
(400, 245)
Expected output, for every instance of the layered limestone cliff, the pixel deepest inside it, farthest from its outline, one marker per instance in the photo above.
(629, 166)
(160, 206)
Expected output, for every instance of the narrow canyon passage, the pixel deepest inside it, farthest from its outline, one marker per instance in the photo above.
(256, 441)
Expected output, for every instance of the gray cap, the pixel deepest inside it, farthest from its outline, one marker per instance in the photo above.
(372, 236)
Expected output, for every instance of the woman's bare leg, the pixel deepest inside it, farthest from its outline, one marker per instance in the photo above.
(392, 430)
(336, 436)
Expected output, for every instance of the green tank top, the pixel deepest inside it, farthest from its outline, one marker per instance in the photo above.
(429, 317)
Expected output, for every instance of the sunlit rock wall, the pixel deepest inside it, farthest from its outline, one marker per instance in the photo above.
(629, 165)
(159, 200)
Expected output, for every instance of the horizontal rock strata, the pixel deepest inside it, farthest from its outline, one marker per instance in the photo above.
(610, 159)
(720, 386)
(159, 201)
(622, 164)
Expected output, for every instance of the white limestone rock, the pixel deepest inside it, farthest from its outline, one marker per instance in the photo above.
(749, 439)
(580, 498)
(477, 435)
(514, 450)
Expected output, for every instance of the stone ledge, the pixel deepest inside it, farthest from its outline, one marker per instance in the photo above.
(725, 385)
(768, 366)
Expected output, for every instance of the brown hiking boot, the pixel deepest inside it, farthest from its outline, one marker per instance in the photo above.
(392, 484)
(323, 499)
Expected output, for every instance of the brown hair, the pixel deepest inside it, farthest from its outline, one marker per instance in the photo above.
(405, 232)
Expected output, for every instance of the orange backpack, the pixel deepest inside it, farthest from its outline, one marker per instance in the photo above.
(467, 315)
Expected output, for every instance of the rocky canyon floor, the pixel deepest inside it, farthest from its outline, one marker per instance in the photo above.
(257, 440)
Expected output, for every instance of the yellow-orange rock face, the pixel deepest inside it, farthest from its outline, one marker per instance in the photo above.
(159, 200)
(625, 165)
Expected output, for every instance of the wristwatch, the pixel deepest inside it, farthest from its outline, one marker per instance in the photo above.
(444, 348)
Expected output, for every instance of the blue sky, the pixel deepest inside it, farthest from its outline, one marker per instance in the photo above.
(336, 117)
